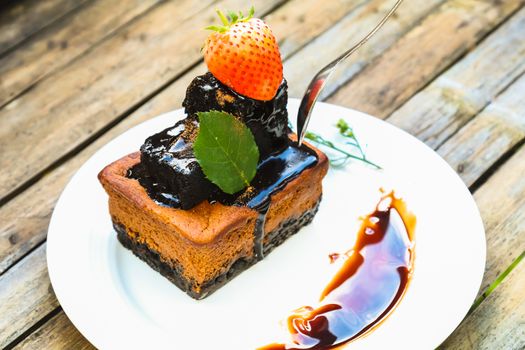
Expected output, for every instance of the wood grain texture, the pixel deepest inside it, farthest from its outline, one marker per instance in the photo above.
(499, 322)
(62, 42)
(295, 23)
(491, 134)
(451, 100)
(57, 334)
(102, 85)
(20, 19)
(28, 213)
(422, 54)
(25, 296)
(24, 228)
(501, 201)
(343, 34)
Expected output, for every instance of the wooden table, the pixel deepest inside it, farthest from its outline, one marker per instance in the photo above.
(75, 74)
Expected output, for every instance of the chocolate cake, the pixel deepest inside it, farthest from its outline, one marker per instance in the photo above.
(169, 214)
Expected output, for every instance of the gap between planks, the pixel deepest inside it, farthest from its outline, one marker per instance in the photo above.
(44, 320)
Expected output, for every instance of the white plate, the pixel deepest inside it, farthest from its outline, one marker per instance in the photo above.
(118, 302)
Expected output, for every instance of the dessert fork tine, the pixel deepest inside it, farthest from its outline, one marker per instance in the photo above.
(319, 80)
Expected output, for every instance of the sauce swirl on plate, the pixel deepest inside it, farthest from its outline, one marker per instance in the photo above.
(371, 281)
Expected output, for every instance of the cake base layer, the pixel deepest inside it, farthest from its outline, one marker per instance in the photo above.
(174, 272)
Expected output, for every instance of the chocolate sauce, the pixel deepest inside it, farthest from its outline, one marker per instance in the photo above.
(273, 174)
(171, 174)
(371, 282)
(333, 257)
(267, 120)
(168, 168)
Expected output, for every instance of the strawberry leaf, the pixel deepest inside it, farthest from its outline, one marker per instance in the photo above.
(231, 19)
(252, 12)
(226, 151)
(219, 29)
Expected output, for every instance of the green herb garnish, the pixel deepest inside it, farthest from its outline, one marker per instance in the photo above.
(226, 151)
(348, 133)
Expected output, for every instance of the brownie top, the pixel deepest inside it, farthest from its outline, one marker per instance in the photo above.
(172, 175)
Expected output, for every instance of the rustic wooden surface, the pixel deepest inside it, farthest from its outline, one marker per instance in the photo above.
(75, 74)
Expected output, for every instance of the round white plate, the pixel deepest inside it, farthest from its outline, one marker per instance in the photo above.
(118, 302)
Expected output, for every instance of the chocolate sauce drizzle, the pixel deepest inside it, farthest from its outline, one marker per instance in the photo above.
(371, 282)
(172, 176)
(273, 174)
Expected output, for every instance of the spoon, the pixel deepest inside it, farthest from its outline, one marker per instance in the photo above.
(319, 81)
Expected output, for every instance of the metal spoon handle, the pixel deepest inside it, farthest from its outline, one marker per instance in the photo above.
(320, 79)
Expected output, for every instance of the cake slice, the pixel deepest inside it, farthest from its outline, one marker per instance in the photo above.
(201, 249)
(173, 214)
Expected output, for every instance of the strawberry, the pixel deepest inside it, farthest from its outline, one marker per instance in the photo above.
(243, 54)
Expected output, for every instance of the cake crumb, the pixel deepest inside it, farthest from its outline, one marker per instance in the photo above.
(222, 98)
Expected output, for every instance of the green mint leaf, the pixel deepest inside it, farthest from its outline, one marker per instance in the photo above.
(226, 151)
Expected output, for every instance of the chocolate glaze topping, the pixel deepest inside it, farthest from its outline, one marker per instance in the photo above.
(172, 176)
(268, 120)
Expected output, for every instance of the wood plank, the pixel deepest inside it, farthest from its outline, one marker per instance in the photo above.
(451, 100)
(25, 296)
(20, 19)
(57, 334)
(295, 23)
(343, 34)
(486, 138)
(27, 227)
(62, 42)
(422, 54)
(102, 85)
(501, 201)
(499, 322)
